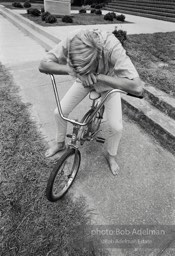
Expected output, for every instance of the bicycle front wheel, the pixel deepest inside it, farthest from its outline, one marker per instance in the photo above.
(63, 174)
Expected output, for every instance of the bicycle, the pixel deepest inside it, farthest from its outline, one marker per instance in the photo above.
(66, 168)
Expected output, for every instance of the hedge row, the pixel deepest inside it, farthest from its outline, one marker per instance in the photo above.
(95, 11)
(110, 16)
(88, 2)
(27, 4)
(47, 16)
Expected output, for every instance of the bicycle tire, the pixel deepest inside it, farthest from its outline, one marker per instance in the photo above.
(60, 169)
(84, 130)
(96, 121)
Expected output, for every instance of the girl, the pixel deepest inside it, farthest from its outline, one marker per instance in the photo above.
(98, 61)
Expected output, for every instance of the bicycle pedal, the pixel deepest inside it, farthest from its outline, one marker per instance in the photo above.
(100, 139)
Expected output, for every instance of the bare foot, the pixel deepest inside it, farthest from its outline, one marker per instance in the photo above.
(113, 164)
(55, 149)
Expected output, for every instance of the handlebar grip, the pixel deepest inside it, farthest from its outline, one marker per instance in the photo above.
(132, 95)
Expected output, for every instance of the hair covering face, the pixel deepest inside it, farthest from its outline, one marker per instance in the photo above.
(85, 51)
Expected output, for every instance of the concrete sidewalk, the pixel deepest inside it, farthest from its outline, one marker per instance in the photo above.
(155, 113)
(143, 192)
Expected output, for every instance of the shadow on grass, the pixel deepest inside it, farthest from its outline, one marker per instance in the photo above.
(31, 224)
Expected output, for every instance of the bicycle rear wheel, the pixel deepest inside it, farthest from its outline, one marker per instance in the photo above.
(63, 174)
(93, 126)
(84, 130)
(96, 121)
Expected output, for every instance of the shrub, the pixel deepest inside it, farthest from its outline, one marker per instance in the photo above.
(82, 10)
(108, 16)
(50, 19)
(33, 12)
(67, 19)
(120, 17)
(98, 6)
(17, 5)
(102, 5)
(44, 15)
(77, 2)
(121, 35)
(98, 12)
(102, 1)
(93, 10)
(93, 6)
(88, 2)
(27, 4)
(42, 10)
(29, 10)
(113, 15)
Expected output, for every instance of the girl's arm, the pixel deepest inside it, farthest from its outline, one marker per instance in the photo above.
(55, 61)
(132, 86)
(52, 67)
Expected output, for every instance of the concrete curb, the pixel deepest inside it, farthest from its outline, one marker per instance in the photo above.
(147, 112)
(161, 100)
(45, 39)
(155, 122)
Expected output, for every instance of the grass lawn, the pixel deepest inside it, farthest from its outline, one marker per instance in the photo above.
(154, 58)
(78, 19)
(152, 54)
(30, 224)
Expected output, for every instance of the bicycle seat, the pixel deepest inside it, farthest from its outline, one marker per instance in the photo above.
(93, 95)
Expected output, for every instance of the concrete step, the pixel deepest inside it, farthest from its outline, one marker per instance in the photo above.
(152, 16)
(143, 10)
(148, 7)
(155, 122)
(150, 2)
(43, 38)
(32, 25)
(161, 100)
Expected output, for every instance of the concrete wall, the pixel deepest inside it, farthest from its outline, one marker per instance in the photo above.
(58, 7)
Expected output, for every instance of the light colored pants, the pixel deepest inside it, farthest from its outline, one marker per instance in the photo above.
(112, 108)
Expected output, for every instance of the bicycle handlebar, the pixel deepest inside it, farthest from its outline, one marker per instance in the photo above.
(100, 105)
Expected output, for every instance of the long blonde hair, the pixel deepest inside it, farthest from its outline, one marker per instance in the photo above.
(85, 49)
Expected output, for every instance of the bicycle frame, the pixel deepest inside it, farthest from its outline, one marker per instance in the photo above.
(96, 110)
(79, 135)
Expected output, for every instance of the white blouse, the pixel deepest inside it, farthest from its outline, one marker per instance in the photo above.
(113, 60)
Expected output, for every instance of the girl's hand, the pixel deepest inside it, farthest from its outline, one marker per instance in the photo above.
(71, 72)
(88, 80)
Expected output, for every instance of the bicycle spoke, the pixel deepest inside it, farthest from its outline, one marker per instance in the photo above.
(62, 178)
